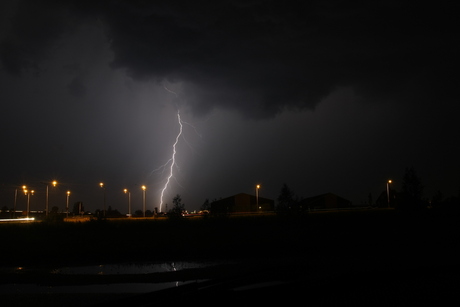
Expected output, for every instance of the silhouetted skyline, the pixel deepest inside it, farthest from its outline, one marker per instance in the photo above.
(322, 96)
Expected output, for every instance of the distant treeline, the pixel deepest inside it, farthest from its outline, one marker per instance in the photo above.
(409, 199)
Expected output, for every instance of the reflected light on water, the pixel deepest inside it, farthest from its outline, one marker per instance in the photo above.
(106, 288)
(132, 268)
(105, 269)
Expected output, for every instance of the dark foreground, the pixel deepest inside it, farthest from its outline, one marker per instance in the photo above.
(368, 258)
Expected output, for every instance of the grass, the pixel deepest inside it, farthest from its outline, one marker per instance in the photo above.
(48, 244)
(338, 244)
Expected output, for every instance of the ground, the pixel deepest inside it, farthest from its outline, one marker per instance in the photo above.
(376, 256)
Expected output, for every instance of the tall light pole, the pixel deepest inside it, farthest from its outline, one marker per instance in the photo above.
(129, 201)
(388, 192)
(28, 193)
(143, 198)
(54, 183)
(15, 201)
(257, 197)
(67, 205)
(103, 187)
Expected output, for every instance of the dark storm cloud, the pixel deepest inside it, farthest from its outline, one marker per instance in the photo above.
(259, 57)
(76, 88)
(31, 30)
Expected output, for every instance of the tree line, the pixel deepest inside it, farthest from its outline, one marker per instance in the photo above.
(409, 199)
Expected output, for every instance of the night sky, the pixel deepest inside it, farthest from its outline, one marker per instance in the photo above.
(325, 96)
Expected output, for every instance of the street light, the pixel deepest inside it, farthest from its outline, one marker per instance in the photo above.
(143, 197)
(67, 205)
(129, 201)
(54, 183)
(15, 201)
(257, 196)
(388, 192)
(103, 187)
(28, 193)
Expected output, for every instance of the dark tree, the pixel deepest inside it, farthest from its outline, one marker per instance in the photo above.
(412, 191)
(286, 201)
(178, 207)
(437, 199)
(411, 184)
(206, 205)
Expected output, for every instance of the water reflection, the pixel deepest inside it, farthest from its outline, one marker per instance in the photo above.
(104, 269)
(108, 288)
(132, 268)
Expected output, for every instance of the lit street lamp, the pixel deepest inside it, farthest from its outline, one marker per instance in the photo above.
(54, 183)
(67, 205)
(388, 192)
(103, 187)
(129, 201)
(143, 198)
(257, 196)
(15, 201)
(28, 193)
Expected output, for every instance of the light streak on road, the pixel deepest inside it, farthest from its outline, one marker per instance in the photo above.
(18, 219)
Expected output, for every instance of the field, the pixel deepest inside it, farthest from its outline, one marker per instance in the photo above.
(329, 246)
(380, 235)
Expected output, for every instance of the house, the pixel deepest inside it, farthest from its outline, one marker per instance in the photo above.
(242, 202)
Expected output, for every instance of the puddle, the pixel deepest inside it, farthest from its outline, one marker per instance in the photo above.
(108, 288)
(142, 268)
(109, 269)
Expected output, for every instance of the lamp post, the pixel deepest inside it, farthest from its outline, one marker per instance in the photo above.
(28, 193)
(15, 201)
(54, 183)
(129, 201)
(257, 197)
(143, 198)
(388, 192)
(103, 187)
(67, 205)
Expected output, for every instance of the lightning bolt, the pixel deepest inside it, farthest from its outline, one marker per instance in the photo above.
(172, 92)
(173, 158)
